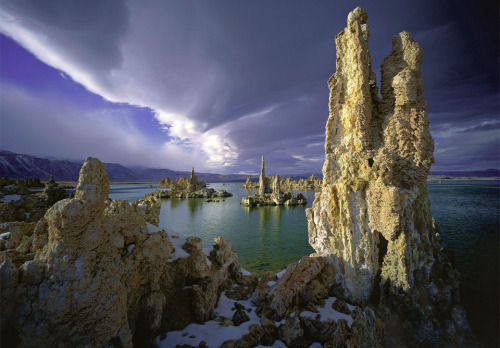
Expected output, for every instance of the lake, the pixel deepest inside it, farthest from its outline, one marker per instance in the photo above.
(271, 237)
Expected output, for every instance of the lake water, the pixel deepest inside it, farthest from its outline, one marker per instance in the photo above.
(271, 237)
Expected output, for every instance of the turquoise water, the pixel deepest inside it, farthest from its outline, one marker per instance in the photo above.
(270, 238)
(265, 238)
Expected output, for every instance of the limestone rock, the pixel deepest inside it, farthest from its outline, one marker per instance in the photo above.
(93, 185)
(293, 282)
(149, 208)
(182, 186)
(372, 218)
(270, 193)
(310, 184)
(263, 180)
(239, 316)
(249, 184)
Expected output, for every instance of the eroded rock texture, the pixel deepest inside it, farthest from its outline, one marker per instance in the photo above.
(95, 273)
(372, 220)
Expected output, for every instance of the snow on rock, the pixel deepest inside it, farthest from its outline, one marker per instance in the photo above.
(245, 272)
(5, 235)
(276, 344)
(280, 274)
(327, 313)
(10, 198)
(212, 332)
(177, 240)
(152, 229)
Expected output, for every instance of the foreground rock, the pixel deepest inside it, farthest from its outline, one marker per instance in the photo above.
(372, 220)
(102, 274)
(270, 193)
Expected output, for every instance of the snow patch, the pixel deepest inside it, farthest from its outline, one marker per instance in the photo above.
(327, 313)
(5, 235)
(279, 275)
(245, 272)
(177, 243)
(27, 215)
(271, 283)
(10, 198)
(152, 229)
(279, 323)
(276, 344)
(212, 332)
(207, 251)
(130, 248)
(79, 267)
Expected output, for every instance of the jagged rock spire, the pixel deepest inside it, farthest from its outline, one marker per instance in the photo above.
(262, 179)
(93, 184)
(372, 219)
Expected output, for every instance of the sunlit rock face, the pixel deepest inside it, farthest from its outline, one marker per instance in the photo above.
(372, 220)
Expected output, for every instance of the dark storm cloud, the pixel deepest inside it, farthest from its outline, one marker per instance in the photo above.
(88, 33)
(242, 79)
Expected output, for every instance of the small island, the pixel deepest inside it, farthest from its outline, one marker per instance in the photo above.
(313, 183)
(187, 188)
(270, 193)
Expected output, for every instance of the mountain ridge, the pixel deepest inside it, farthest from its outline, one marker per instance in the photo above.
(15, 165)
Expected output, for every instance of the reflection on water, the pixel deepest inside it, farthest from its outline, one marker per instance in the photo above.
(255, 232)
(194, 204)
(174, 202)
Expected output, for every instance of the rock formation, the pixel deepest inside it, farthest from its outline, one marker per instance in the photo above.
(183, 185)
(275, 185)
(249, 184)
(263, 181)
(312, 183)
(372, 219)
(187, 188)
(204, 192)
(270, 193)
(95, 272)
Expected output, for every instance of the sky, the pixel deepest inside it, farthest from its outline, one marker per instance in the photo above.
(216, 84)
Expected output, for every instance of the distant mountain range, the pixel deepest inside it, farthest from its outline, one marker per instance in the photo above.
(489, 173)
(14, 165)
